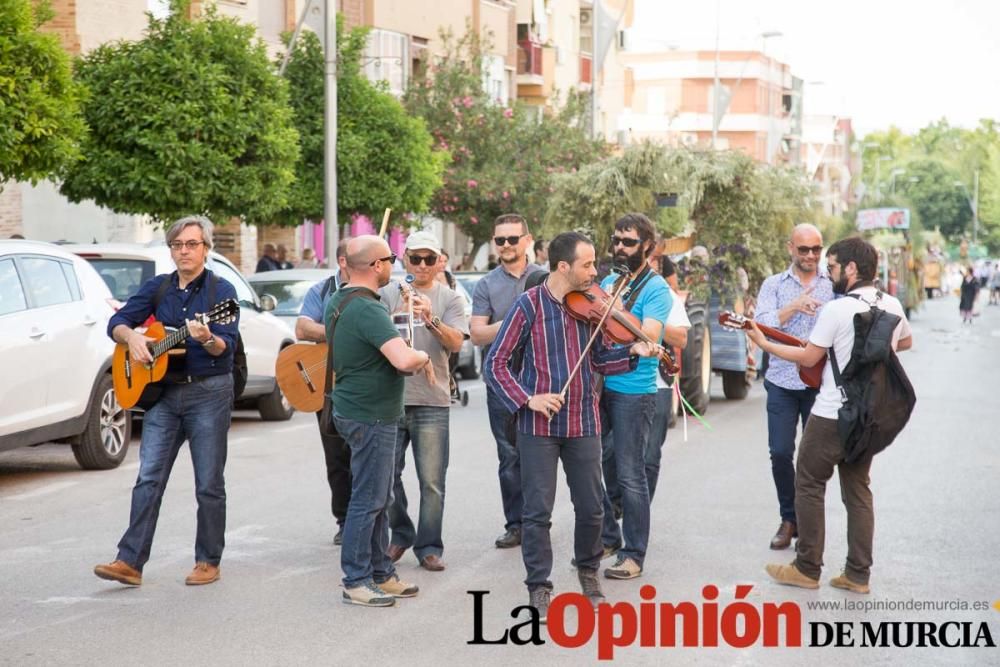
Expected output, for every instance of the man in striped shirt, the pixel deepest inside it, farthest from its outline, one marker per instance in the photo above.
(550, 342)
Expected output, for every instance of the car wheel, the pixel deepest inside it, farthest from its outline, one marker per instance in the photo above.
(735, 384)
(475, 369)
(274, 407)
(696, 364)
(104, 442)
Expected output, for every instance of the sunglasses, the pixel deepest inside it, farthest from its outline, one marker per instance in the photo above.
(509, 240)
(621, 240)
(391, 259)
(428, 260)
(190, 245)
(805, 249)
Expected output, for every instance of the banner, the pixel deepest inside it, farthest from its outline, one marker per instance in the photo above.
(883, 218)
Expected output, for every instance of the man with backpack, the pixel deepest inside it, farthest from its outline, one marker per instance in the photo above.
(851, 420)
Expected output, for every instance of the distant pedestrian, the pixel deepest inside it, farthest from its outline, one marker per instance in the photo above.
(308, 260)
(282, 256)
(541, 249)
(268, 260)
(968, 292)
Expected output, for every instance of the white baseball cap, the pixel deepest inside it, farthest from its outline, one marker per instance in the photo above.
(423, 241)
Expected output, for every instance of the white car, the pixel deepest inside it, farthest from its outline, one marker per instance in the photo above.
(56, 356)
(126, 266)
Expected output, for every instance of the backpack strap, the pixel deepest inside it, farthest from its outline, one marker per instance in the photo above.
(328, 286)
(634, 292)
(213, 282)
(161, 291)
(836, 372)
(337, 312)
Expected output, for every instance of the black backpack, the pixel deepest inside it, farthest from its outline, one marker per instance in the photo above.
(240, 371)
(878, 395)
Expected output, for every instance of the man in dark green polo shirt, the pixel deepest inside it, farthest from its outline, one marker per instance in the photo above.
(367, 404)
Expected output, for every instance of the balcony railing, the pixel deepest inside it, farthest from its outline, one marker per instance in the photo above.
(585, 69)
(529, 57)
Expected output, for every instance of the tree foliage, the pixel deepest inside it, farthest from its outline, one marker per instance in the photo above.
(503, 158)
(40, 124)
(190, 119)
(384, 156)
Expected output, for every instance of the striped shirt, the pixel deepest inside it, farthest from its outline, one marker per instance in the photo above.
(551, 341)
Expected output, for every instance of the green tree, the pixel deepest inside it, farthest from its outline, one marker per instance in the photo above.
(191, 119)
(40, 124)
(384, 156)
(503, 158)
(936, 198)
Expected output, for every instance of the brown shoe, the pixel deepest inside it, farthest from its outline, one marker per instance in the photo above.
(789, 575)
(119, 571)
(843, 582)
(432, 563)
(783, 538)
(203, 573)
(395, 552)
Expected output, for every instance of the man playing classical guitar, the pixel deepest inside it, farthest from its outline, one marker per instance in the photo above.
(195, 405)
(789, 301)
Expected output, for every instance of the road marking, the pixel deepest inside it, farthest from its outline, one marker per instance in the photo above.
(44, 491)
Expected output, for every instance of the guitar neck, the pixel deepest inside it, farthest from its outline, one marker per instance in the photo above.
(780, 336)
(160, 348)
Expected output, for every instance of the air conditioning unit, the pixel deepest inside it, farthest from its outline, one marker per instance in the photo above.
(586, 16)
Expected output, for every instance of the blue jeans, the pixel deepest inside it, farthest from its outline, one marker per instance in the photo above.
(657, 436)
(427, 428)
(626, 420)
(366, 529)
(505, 433)
(199, 413)
(785, 408)
(581, 462)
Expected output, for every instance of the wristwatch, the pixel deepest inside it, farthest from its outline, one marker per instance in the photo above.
(436, 322)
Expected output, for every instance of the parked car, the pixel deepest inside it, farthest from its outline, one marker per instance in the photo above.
(289, 287)
(56, 356)
(126, 266)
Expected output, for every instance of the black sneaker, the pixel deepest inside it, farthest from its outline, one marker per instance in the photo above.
(510, 539)
(590, 585)
(539, 599)
(338, 538)
(609, 551)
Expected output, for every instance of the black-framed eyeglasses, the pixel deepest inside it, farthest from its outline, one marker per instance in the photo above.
(391, 259)
(428, 260)
(624, 241)
(806, 249)
(509, 240)
(190, 245)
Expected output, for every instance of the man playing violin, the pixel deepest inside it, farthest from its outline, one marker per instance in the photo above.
(556, 411)
(628, 402)
(789, 301)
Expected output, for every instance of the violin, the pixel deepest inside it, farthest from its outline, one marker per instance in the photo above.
(592, 305)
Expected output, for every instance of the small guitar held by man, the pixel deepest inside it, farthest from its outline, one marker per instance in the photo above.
(812, 376)
(133, 376)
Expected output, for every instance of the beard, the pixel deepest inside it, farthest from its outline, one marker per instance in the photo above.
(633, 262)
(840, 286)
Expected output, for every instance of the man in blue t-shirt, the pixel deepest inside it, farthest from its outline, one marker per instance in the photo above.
(629, 400)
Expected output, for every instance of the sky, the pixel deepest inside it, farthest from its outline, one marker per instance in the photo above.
(879, 62)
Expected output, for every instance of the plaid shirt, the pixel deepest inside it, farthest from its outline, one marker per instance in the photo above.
(551, 341)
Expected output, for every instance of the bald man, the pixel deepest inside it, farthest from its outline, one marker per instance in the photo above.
(789, 301)
(368, 357)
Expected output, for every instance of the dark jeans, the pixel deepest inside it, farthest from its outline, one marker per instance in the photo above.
(199, 413)
(338, 472)
(819, 453)
(366, 530)
(581, 460)
(426, 427)
(657, 436)
(502, 424)
(626, 420)
(785, 408)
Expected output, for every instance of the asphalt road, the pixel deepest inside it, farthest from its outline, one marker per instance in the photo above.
(278, 602)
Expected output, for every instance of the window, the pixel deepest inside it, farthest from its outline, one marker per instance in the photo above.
(495, 78)
(387, 58)
(74, 285)
(288, 294)
(124, 277)
(11, 293)
(244, 294)
(45, 281)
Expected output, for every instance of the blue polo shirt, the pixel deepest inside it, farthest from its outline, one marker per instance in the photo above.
(654, 302)
(314, 303)
(176, 306)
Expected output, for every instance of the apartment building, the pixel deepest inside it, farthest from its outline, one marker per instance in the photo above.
(671, 97)
(828, 160)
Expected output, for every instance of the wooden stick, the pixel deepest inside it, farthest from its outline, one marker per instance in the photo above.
(385, 222)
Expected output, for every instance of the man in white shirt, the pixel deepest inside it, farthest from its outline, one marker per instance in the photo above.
(852, 264)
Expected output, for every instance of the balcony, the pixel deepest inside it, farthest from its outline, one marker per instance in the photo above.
(586, 69)
(529, 58)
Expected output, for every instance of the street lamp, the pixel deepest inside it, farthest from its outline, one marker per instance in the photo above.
(899, 171)
(878, 176)
(973, 204)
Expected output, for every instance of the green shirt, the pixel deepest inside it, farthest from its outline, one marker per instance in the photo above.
(367, 386)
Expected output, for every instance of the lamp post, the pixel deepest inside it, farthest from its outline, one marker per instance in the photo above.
(867, 144)
(899, 171)
(973, 204)
(878, 176)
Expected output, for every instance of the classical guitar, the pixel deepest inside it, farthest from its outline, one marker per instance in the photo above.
(812, 376)
(300, 372)
(135, 382)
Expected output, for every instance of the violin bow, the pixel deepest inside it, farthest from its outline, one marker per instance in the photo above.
(619, 288)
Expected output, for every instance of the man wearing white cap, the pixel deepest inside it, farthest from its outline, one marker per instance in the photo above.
(442, 329)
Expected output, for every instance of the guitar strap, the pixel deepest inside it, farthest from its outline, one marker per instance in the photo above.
(326, 426)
